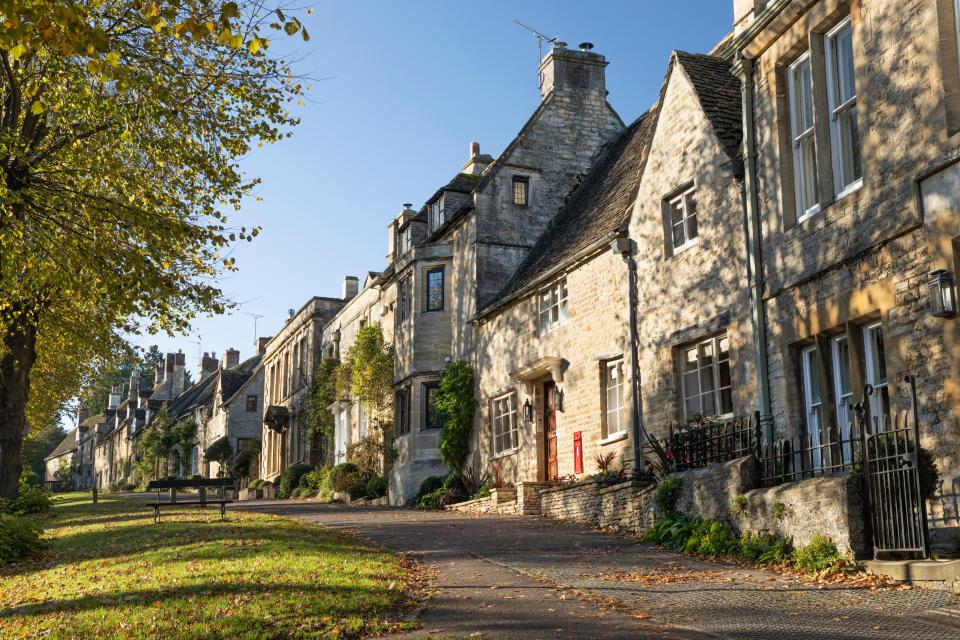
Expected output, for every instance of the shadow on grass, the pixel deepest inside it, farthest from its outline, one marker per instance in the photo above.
(338, 600)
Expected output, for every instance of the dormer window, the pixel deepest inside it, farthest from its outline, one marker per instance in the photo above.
(521, 191)
(403, 240)
(437, 214)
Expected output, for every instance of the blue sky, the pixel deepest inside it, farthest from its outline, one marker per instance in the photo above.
(407, 86)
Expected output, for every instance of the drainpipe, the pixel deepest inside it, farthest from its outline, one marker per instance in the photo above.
(743, 69)
(623, 245)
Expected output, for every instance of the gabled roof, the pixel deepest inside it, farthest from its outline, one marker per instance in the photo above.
(66, 445)
(599, 207)
(719, 93)
(197, 394)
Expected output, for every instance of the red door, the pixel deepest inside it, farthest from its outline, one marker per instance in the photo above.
(550, 430)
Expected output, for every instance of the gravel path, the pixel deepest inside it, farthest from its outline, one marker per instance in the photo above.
(510, 577)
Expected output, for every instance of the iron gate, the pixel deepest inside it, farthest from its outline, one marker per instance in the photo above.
(891, 466)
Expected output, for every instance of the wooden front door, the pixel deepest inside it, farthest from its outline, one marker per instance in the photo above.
(550, 431)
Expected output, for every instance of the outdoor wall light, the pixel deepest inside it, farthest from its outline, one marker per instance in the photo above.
(943, 294)
(527, 411)
(557, 399)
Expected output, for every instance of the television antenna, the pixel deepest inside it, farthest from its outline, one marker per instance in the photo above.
(255, 316)
(541, 38)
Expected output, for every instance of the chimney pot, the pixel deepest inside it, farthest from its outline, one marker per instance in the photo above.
(560, 44)
(586, 46)
(407, 205)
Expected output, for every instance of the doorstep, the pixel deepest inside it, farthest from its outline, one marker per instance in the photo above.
(932, 574)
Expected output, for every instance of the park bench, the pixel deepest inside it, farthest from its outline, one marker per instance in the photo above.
(201, 484)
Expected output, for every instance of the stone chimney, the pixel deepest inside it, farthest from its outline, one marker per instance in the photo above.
(478, 161)
(351, 285)
(82, 414)
(208, 365)
(230, 359)
(133, 392)
(114, 400)
(571, 71)
(176, 371)
(262, 345)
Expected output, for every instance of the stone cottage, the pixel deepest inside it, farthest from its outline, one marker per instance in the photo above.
(856, 198)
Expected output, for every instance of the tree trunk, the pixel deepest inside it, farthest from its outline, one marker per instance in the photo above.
(19, 341)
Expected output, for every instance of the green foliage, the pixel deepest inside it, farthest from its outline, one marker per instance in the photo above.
(705, 537)
(367, 454)
(19, 538)
(929, 474)
(369, 362)
(219, 451)
(245, 457)
(155, 447)
(184, 434)
(30, 499)
(37, 446)
(121, 134)
(114, 371)
(779, 510)
(64, 472)
(820, 554)
(739, 504)
(377, 487)
(765, 548)
(290, 479)
(320, 421)
(667, 494)
(456, 405)
(431, 484)
(319, 482)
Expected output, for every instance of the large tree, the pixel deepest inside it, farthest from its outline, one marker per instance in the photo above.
(121, 124)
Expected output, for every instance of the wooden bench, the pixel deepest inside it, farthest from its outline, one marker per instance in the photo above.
(201, 484)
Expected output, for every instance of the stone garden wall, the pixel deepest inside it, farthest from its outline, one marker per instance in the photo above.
(626, 507)
(830, 506)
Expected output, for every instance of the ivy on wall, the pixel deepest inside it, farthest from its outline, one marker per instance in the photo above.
(456, 404)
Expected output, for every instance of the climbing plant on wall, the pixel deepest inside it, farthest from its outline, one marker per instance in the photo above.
(456, 404)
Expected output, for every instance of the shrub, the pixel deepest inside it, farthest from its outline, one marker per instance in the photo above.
(259, 483)
(19, 538)
(317, 481)
(350, 481)
(739, 504)
(30, 500)
(667, 494)
(430, 484)
(377, 487)
(821, 554)
(456, 405)
(290, 479)
(765, 548)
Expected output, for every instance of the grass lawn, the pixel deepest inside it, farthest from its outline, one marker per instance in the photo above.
(111, 573)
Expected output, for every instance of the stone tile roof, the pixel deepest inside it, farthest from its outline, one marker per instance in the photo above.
(197, 394)
(232, 380)
(719, 93)
(598, 207)
(66, 445)
(461, 183)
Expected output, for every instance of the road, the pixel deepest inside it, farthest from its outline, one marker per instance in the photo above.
(527, 577)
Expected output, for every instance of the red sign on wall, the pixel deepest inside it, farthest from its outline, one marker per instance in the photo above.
(577, 452)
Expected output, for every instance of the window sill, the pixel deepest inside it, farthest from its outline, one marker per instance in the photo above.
(809, 213)
(505, 454)
(616, 437)
(686, 245)
(853, 187)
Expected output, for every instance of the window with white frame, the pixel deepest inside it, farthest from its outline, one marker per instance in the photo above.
(842, 102)
(615, 420)
(683, 219)
(705, 377)
(505, 423)
(875, 356)
(553, 306)
(842, 384)
(800, 95)
(362, 413)
(812, 400)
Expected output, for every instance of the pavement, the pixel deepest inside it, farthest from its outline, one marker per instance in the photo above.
(528, 577)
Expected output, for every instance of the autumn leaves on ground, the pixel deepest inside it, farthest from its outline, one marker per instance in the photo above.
(110, 572)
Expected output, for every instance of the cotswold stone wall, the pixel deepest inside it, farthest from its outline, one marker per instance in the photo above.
(829, 506)
(626, 507)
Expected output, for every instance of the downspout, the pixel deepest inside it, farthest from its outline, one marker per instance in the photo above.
(623, 245)
(743, 69)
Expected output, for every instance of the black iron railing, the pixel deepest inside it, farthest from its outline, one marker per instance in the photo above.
(706, 441)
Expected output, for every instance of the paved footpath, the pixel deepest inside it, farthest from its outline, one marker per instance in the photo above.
(513, 577)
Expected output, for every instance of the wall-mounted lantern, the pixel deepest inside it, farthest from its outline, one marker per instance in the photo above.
(557, 399)
(527, 411)
(943, 294)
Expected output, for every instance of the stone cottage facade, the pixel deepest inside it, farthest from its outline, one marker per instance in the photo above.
(856, 197)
